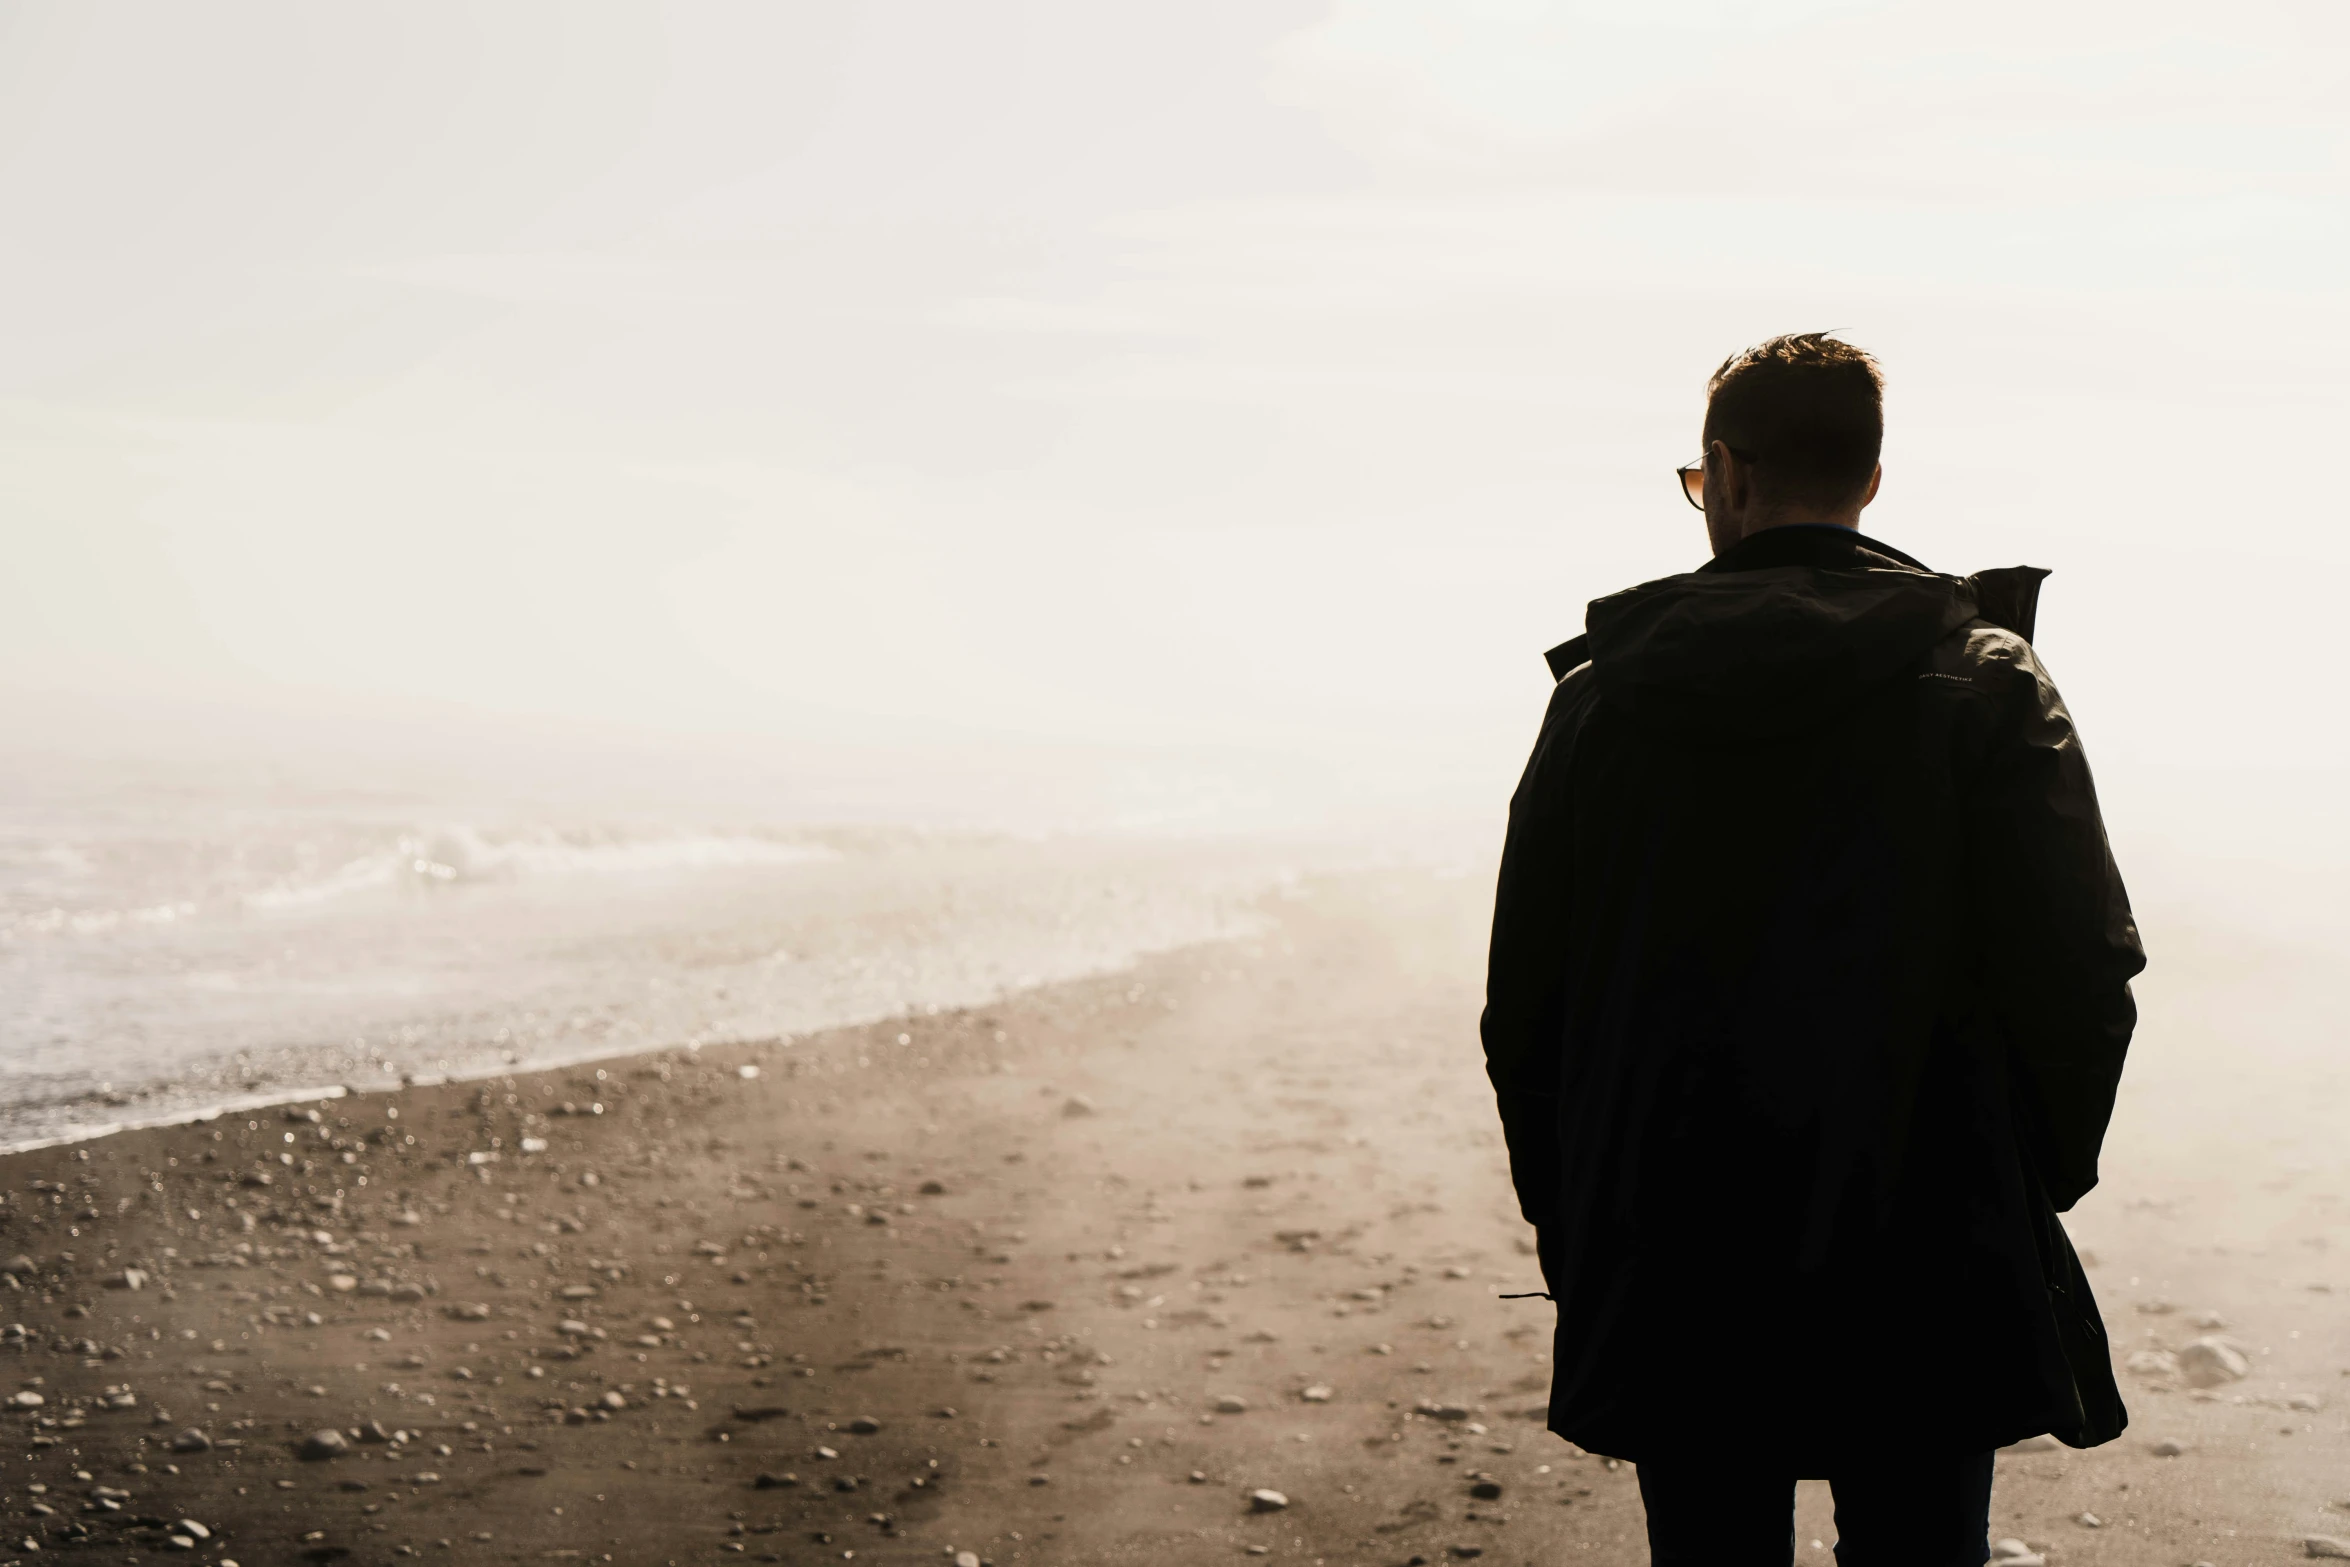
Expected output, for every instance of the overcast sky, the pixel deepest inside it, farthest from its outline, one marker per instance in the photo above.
(1224, 375)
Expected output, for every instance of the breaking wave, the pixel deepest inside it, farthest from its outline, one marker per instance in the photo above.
(116, 888)
(462, 855)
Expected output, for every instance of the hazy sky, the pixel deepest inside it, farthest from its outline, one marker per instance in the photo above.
(1242, 374)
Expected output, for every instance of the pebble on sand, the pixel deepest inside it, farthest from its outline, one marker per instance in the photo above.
(327, 1443)
(191, 1441)
(2166, 1448)
(864, 1425)
(2211, 1360)
(1317, 1394)
(2326, 1545)
(1266, 1501)
(1231, 1404)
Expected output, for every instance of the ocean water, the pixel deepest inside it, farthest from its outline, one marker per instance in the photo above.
(168, 950)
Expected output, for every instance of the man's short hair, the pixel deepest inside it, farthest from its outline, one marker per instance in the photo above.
(1807, 410)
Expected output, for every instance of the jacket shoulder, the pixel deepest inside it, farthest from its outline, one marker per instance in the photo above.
(1998, 687)
(1990, 658)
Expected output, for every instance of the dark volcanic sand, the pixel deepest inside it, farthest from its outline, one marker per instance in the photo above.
(970, 1282)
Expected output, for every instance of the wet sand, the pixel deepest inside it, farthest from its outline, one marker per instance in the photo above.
(1065, 1279)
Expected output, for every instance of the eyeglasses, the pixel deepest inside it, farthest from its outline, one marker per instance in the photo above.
(1692, 476)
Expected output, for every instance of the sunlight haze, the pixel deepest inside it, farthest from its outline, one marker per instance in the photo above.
(1250, 390)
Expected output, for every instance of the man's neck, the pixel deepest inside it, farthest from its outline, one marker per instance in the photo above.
(1849, 522)
(1727, 533)
(1836, 548)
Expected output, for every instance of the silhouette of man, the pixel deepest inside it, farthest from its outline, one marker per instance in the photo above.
(1808, 999)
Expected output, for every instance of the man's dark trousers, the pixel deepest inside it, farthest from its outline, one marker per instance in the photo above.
(1904, 1513)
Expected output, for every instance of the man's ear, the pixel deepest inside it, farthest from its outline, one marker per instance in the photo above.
(1737, 477)
(1875, 479)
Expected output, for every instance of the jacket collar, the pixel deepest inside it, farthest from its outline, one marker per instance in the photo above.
(1800, 544)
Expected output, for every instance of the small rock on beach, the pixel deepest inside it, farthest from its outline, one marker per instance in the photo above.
(328, 1443)
(2210, 1361)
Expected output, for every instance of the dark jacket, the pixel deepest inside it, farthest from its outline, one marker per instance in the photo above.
(1808, 1000)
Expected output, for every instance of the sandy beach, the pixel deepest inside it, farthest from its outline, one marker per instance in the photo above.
(1195, 1262)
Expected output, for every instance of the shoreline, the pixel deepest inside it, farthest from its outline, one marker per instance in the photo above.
(1008, 994)
(117, 1030)
(271, 1101)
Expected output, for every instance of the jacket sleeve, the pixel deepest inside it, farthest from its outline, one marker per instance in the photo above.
(1526, 971)
(2056, 938)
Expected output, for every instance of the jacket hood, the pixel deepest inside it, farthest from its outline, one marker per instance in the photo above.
(1750, 654)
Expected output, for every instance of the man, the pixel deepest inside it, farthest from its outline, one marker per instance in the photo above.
(1808, 1000)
